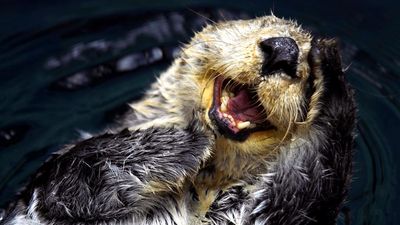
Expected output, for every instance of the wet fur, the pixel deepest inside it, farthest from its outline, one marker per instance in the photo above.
(171, 167)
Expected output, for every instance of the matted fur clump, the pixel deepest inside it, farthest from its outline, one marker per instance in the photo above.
(252, 124)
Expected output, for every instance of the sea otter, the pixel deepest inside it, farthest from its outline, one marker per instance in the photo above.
(253, 123)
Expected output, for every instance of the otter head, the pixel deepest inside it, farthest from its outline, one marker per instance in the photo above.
(256, 88)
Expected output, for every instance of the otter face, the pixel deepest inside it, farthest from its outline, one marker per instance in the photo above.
(255, 80)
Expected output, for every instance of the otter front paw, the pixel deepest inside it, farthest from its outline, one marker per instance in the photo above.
(174, 154)
(114, 175)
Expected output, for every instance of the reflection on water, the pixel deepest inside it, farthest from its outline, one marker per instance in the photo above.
(72, 75)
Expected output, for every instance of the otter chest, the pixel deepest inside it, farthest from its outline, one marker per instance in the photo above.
(211, 204)
(219, 191)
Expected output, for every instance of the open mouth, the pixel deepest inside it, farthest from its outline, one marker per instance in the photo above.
(236, 110)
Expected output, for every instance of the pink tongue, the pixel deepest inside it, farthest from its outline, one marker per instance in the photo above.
(241, 107)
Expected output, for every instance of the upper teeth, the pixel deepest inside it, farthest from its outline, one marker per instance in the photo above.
(228, 94)
(224, 103)
(224, 100)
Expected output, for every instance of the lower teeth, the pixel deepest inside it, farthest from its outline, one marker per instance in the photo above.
(242, 125)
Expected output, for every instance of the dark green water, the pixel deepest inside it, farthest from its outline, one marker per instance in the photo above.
(71, 66)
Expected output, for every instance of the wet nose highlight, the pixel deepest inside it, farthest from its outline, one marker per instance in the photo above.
(280, 55)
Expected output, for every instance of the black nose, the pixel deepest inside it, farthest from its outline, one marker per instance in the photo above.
(280, 55)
